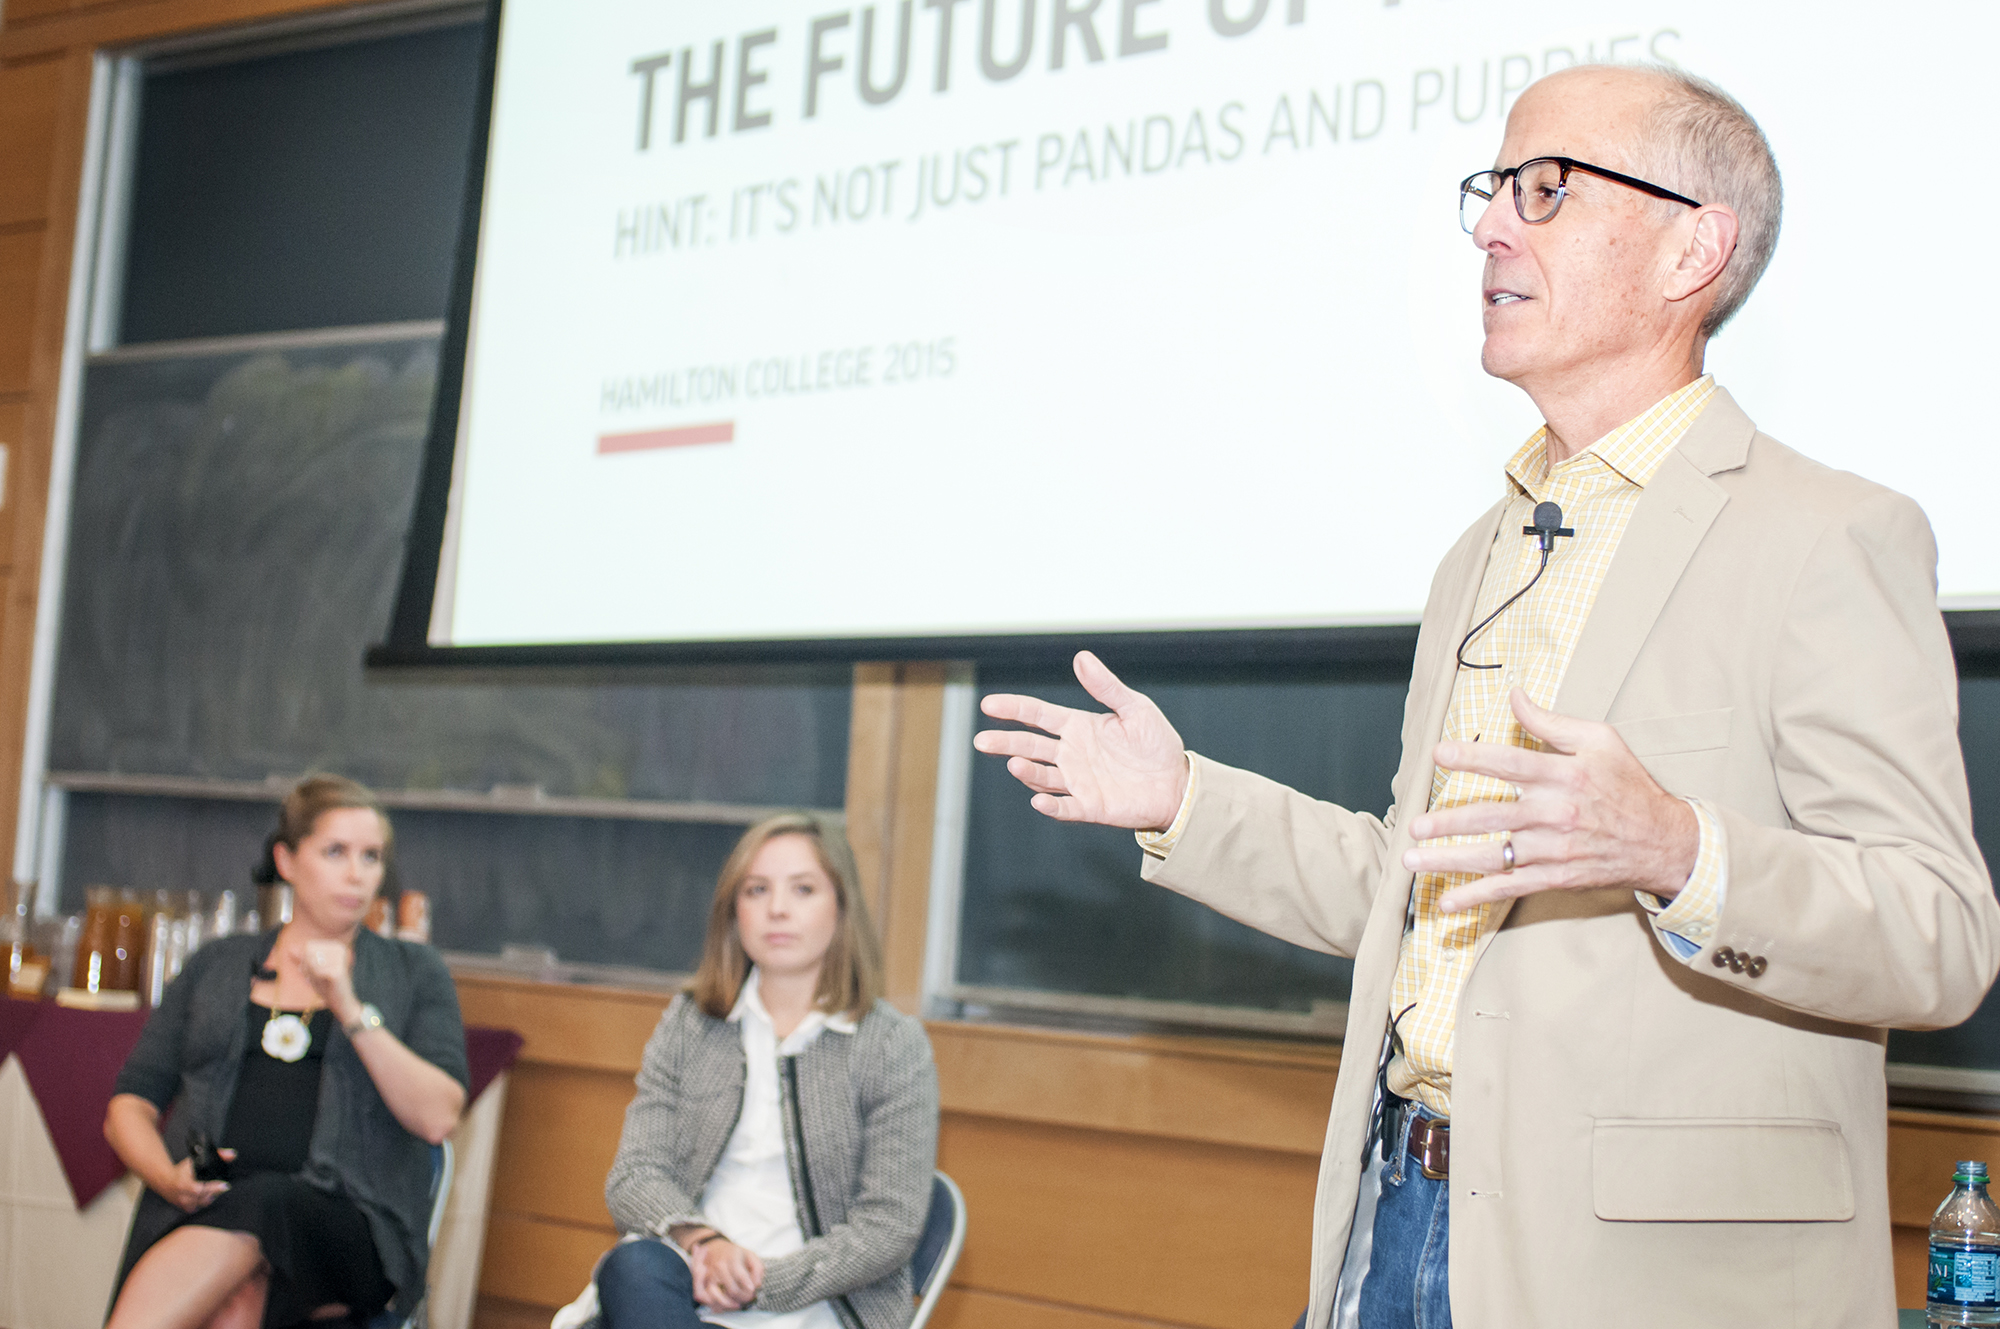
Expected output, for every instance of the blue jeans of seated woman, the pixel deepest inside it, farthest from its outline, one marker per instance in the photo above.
(646, 1285)
(1408, 1284)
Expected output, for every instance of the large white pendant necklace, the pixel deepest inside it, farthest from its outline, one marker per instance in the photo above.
(286, 1036)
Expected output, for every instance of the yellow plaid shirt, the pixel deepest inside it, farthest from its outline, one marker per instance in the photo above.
(1532, 641)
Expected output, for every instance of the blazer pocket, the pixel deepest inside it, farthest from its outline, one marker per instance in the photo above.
(1664, 735)
(1720, 1170)
(1688, 754)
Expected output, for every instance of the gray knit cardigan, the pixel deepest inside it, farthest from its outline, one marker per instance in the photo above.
(192, 1050)
(861, 1120)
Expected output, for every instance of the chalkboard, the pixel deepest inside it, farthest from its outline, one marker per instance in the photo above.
(1974, 1045)
(1057, 907)
(300, 188)
(237, 530)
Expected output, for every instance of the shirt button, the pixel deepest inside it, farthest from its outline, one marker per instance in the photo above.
(1723, 957)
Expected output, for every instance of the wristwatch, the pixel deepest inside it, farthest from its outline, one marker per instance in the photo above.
(367, 1018)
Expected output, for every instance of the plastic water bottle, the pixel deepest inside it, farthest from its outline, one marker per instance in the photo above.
(1964, 1285)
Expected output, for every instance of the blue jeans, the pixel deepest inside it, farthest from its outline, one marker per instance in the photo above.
(1409, 1279)
(645, 1285)
(1409, 1284)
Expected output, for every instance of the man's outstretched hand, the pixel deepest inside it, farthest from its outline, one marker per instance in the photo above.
(1588, 816)
(1126, 769)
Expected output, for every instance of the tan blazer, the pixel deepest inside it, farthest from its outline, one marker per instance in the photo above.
(1637, 1140)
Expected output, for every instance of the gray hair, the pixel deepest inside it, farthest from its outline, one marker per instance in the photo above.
(1702, 143)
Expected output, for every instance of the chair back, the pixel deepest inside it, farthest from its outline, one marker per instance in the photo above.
(441, 1165)
(939, 1246)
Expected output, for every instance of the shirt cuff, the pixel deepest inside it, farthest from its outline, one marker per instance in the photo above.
(1161, 843)
(1685, 924)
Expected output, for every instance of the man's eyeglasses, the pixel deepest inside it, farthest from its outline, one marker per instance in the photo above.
(1540, 186)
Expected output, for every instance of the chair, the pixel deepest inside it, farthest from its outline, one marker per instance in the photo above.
(441, 1166)
(938, 1248)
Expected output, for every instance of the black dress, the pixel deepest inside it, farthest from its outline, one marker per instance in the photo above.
(317, 1243)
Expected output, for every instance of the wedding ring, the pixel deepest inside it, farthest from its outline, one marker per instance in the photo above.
(1507, 851)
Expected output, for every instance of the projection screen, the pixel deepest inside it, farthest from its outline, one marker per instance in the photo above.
(792, 322)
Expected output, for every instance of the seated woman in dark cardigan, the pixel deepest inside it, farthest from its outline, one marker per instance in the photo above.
(325, 1062)
(776, 1164)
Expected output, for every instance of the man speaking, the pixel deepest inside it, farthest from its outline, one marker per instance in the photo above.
(1678, 829)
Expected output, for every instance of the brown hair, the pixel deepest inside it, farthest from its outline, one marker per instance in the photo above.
(311, 799)
(850, 977)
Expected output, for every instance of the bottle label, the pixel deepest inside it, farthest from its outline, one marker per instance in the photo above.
(1967, 1278)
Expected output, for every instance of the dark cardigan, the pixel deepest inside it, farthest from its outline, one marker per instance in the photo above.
(193, 1046)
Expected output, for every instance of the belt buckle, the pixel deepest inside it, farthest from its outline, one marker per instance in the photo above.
(1434, 1159)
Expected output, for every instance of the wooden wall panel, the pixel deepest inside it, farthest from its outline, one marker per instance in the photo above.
(1132, 1224)
(559, 1138)
(959, 1308)
(17, 10)
(1923, 1149)
(13, 437)
(537, 1261)
(1074, 1226)
(30, 97)
(20, 282)
(1218, 1091)
(589, 1028)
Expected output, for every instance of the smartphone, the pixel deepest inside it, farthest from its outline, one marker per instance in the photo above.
(209, 1164)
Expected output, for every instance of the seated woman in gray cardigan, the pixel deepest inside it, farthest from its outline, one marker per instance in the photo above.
(321, 1062)
(776, 1164)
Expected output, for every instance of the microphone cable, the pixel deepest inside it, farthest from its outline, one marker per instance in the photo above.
(1548, 525)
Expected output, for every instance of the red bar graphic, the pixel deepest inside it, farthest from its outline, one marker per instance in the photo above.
(683, 437)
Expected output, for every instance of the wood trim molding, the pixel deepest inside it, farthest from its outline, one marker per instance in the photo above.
(145, 20)
(907, 899)
(871, 778)
(892, 774)
(28, 465)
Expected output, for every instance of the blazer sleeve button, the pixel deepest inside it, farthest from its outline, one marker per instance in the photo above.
(1723, 957)
(1756, 967)
(1737, 962)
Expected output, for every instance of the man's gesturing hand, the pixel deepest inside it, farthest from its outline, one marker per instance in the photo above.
(1126, 769)
(1588, 816)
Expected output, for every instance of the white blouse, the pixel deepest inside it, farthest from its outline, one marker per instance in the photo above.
(749, 1198)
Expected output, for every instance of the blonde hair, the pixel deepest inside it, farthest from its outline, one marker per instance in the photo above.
(850, 976)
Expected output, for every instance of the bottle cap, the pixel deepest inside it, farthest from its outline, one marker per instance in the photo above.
(1970, 1170)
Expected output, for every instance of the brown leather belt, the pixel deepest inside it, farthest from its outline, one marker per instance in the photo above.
(1430, 1145)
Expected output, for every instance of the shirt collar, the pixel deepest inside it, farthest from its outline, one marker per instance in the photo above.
(751, 999)
(1634, 449)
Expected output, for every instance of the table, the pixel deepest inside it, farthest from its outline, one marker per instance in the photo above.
(66, 1202)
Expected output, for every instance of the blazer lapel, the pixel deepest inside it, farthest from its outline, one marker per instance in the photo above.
(1678, 506)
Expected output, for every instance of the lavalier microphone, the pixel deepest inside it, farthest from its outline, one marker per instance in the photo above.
(1548, 524)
